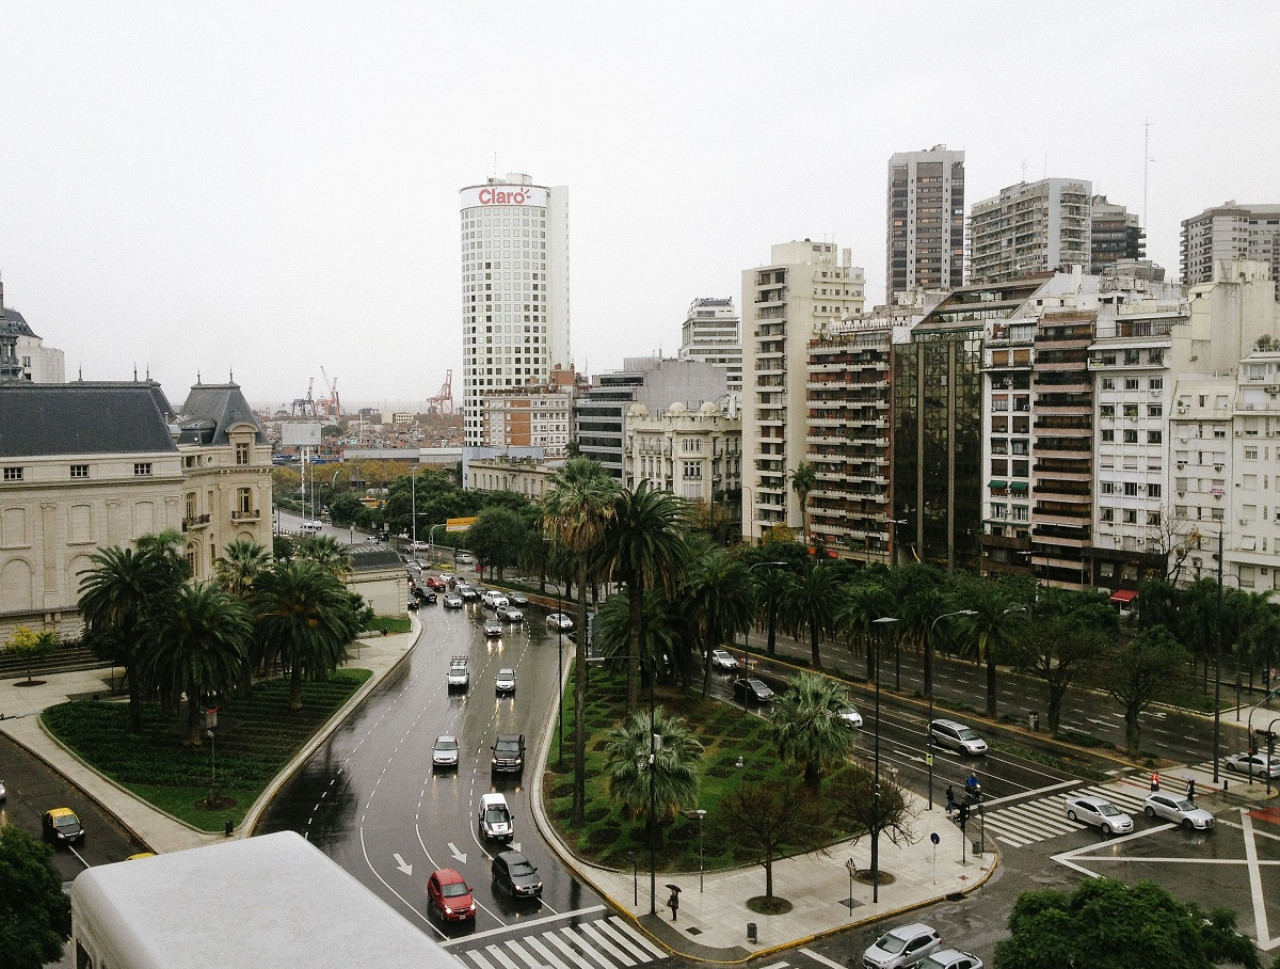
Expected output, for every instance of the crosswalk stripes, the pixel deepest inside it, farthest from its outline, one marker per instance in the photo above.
(607, 943)
(1027, 822)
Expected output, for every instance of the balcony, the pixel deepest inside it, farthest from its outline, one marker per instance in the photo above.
(246, 515)
(192, 522)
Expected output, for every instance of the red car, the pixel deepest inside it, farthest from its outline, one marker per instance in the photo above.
(435, 582)
(450, 895)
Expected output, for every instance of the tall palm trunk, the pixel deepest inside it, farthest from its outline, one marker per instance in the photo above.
(580, 700)
(635, 616)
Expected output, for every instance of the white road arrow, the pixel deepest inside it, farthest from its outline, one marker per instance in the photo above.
(400, 863)
(458, 855)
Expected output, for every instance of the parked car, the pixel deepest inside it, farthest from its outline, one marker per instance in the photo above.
(510, 614)
(755, 691)
(516, 875)
(508, 754)
(1259, 765)
(492, 629)
(444, 755)
(450, 895)
(61, 826)
(957, 736)
(505, 682)
(518, 598)
(1100, 813)
(951, 959)
(723, 660)
(1175, 808)
(850, 714)
(901, 947)
(453, 601)
(558, 621)
(494, 818)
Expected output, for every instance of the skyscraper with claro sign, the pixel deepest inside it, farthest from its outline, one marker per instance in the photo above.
(515, 289)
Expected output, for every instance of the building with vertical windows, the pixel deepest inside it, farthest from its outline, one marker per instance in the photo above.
(1114, 235)
(1229, 232)
(23, 355)
(694, 454)
(712, 333)
(925, 241)
(806, 286)
(1031, 227)
(515, 290)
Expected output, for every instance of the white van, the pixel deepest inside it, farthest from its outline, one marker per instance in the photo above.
(494, 818)
(309, 527)
(494, 599)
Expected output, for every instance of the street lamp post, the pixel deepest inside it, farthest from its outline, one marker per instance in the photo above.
(1217, 670)
(893, 538)
(213, 759)
(653, 805)
(560, 667)
(928, 688)
(702, 814)
(875, 817)
(635, 880)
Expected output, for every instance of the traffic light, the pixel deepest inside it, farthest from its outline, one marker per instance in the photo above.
(964, 815)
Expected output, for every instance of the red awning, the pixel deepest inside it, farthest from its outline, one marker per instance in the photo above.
(1124, 595)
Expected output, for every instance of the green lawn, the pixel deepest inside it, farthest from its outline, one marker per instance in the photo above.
(256, 739)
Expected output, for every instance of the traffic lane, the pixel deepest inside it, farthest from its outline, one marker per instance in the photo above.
(34, 787)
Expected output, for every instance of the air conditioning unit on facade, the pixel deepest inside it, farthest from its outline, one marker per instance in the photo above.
(1217, 467)
(1273, 389)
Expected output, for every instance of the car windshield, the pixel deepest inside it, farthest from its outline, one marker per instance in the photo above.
(495, 816)
(891, 943)
(1185, 806)
(453, 889)
(66, 821)
(1109, 810)
(446, 743)
(522, 868)
(967, 733)
(506, 674)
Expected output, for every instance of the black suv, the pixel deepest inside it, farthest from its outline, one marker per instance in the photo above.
(516, 875)
(508, 754)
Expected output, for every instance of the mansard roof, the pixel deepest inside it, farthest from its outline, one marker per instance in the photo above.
(211, 410)
(84, 418)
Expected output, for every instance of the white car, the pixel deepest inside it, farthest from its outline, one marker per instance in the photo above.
(444, 755)
(453, 601)
(1175, 808)
(851, 715)
(494, 818)
(901, 947)
(505, 682)
(1100, 813)
(723, 660)
(958, 736)
(951, 959)
(559, 621)
(1258, 765)
(494, 600)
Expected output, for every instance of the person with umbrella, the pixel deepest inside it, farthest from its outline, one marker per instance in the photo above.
(674, 901)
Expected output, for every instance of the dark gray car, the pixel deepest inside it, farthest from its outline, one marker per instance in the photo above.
(516, 875)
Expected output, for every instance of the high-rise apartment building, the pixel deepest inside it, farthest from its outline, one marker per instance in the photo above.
(515, 289)
(1114, 234)
(806, 286)
(711, 333)
(925, 239)
(1219, 235)
(1031, 227)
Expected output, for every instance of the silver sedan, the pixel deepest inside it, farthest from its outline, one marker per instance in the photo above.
(1100, 813)
(1179, 810)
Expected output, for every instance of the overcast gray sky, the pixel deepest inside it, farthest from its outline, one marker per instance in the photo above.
(270, 187)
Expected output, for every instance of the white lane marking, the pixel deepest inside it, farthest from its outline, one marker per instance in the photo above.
(568, 952)
(636, 937)
(502, 957)
(818, 957)
(603, 942)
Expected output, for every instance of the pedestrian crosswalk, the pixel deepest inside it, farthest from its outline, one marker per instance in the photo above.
(604, 943)
(1027, 822)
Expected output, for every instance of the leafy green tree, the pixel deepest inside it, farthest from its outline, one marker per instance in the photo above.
(1107, 924)
(31, 646)
(993, 632)
(35, 914)
(808, 605)
(1065, 636)
(803, 480)
(719, 601)
(345, 509)
(305, 621)
(200, 649)
(497, 537)
(645, 548)
(631, 764)
(860, 604)
(576, 511)
(1141, 671)
(118, 595)
(809, 729)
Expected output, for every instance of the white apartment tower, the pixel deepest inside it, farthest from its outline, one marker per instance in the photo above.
(1031, 227)
(515, 289)
(1230, 232)
(806, 287)
(711, 333)
(925, 243)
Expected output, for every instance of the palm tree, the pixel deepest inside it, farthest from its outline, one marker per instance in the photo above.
(720, 604)
(201, 644)
(239, 564)
(803, 480)
(645, 548)
(808, 726)
(576, 511)
(305, 620)
(633, 761)
(325, 550)
(809, 604)
(861, 603)
(994, 629)
(118, 596)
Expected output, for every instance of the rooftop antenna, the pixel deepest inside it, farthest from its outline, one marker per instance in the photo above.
(1024, 169)
(1146, 166)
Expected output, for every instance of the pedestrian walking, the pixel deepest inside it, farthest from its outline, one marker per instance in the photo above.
(1155, 781)
(674, 903)
(1191, 788)
(951, 800)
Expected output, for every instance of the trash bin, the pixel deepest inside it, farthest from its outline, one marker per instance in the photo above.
(1033, 721)
(977, 848)
(228, 828)
(751, 932)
